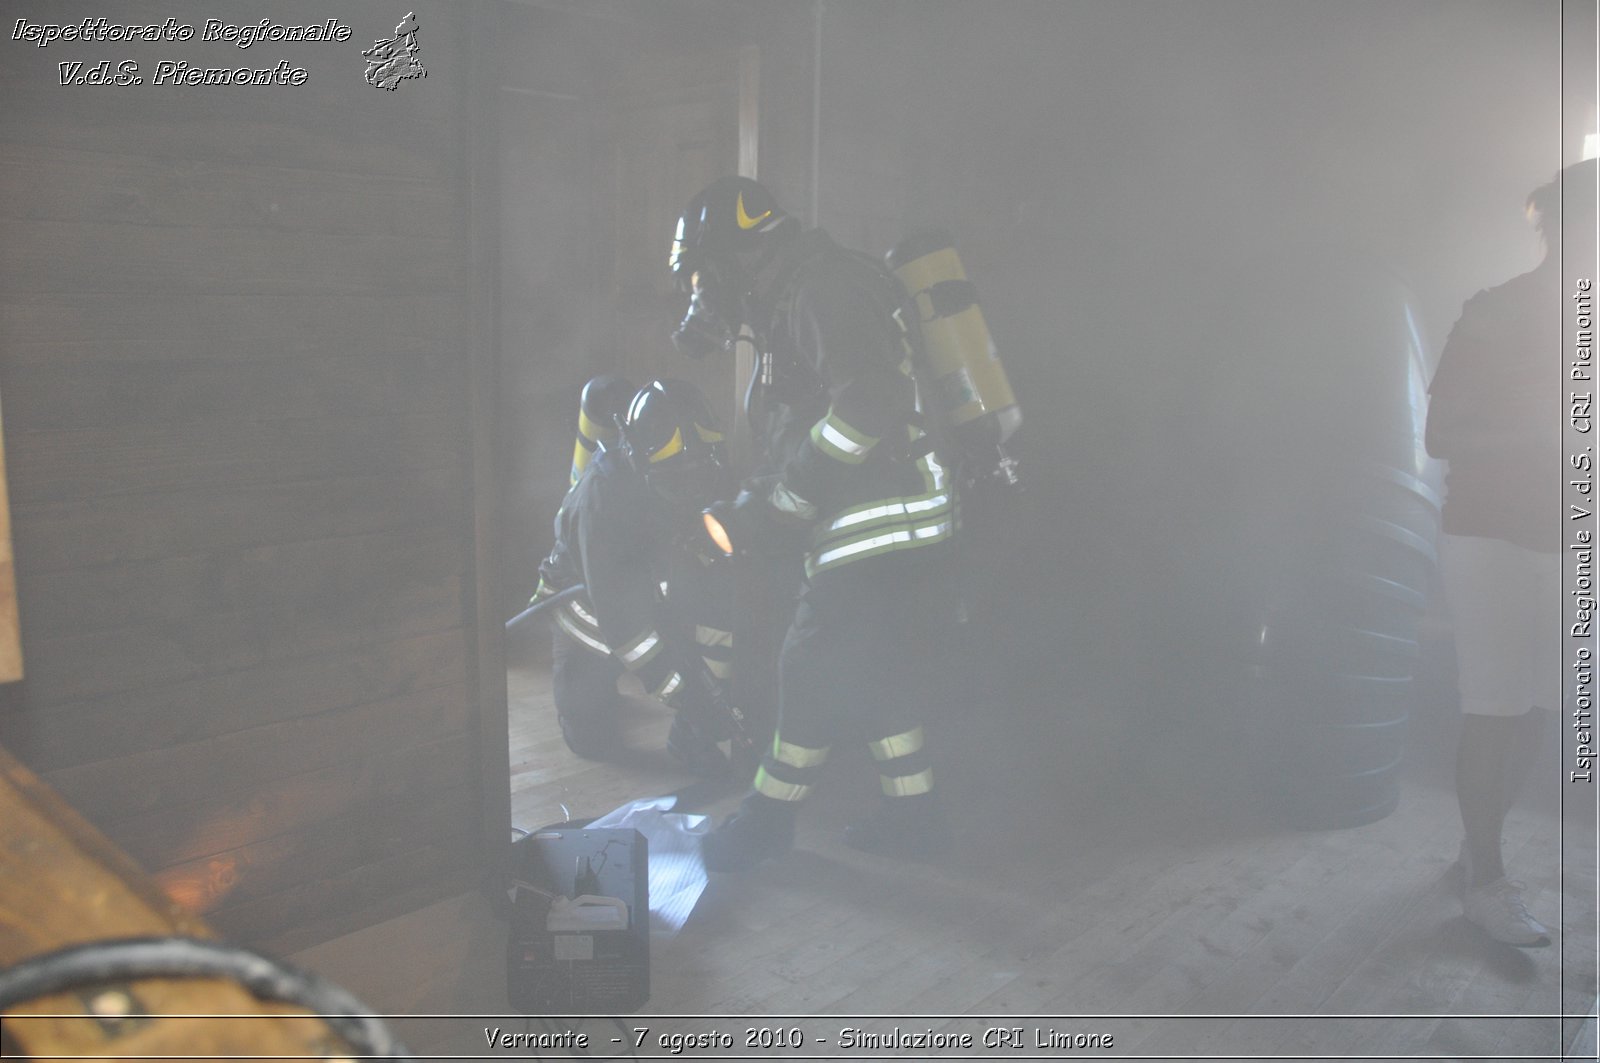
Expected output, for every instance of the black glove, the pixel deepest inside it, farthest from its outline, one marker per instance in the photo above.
(766, 518)
(746, 753)
(555, 574)
(702, 702)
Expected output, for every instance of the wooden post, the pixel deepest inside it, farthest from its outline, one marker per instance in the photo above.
(744, 358)
(10, 624)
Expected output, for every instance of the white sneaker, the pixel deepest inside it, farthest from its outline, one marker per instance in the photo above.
(1497, 909)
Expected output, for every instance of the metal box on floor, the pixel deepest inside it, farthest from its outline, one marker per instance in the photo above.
(580, 923)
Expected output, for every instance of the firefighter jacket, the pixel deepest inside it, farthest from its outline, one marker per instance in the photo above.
(651, 599)
(839, 421)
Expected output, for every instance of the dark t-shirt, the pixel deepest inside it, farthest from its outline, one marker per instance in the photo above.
(1494, 413)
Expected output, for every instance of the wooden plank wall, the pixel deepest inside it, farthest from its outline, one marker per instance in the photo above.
(236, 356)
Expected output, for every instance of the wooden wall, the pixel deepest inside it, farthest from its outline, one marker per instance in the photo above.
(241, 344)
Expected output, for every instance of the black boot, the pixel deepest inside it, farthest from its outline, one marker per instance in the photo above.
(760, 830)
(695, 750)
(910, 828)
(591, 735)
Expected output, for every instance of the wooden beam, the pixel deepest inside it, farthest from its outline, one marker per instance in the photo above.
(744, 356)
(486, 622)
(10, 623)
(749, 111)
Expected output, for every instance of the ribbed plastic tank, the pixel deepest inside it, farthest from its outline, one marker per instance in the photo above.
(1336, 516)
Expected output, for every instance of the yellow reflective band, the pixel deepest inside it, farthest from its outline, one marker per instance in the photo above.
(707, 435)
(899, 745)
(895, 509)
(910, 507)
(712, 636)
(582, 636)
(671, 447)
(639, 649)
(720, 669)
(797, 756)
(888, 524)
(838, 440)
(673, 682)
(882, 542)
(777, 789)
(908, 785)
(576, 615)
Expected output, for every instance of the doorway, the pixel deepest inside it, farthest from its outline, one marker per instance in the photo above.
(594, 168)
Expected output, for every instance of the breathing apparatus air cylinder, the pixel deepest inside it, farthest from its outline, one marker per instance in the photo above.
(603, 402)
(961, 377)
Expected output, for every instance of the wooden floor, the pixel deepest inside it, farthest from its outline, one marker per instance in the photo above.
(1097, 874)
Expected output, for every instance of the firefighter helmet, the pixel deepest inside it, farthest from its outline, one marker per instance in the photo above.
(731, 216)
(670, 437)
(726, 232)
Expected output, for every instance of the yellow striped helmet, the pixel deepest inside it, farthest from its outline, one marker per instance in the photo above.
(670, 437)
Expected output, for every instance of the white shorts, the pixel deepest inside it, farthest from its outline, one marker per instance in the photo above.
(1505, 605)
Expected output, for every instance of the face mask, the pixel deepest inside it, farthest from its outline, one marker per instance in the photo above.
(702, 331)
(715, 310)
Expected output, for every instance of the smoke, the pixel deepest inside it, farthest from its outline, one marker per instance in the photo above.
(1219, 245)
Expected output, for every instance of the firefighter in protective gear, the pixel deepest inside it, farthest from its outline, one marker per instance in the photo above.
(846, 479)
(654, 604)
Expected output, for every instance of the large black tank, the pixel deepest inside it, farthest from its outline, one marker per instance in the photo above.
(1324, 530)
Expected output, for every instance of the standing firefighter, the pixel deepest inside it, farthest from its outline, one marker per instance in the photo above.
(654, 604)
(848, 488)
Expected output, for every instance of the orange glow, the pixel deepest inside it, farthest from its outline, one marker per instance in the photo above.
(719, 534)
(198, 891)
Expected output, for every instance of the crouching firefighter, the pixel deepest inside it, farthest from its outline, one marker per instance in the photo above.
(654, 602)
(850, 492)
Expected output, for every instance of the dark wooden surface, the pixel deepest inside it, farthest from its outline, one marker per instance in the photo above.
(67, 886)
(240, 415)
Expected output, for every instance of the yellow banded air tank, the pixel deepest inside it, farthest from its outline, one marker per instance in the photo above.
(603, 401)
(969, 391)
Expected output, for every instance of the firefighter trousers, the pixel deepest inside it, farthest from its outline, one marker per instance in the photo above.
(860, 661)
